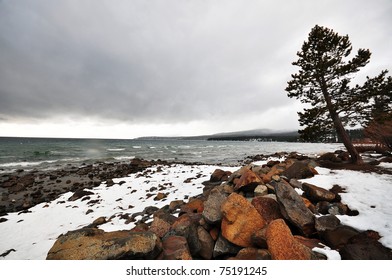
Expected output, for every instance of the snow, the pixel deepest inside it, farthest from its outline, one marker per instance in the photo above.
(32, 234)
(366, 192)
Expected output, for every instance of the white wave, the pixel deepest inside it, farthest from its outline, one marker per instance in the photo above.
(137, 147)
(115, 149)
(124, 158)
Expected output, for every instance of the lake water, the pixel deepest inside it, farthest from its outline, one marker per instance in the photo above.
(49, 153)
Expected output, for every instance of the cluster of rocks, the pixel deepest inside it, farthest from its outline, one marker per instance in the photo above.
(256, 212)
(22, 190)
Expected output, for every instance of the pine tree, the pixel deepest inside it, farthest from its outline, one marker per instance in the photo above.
(323, 81)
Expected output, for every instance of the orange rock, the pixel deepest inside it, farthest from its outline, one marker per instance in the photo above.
(282, 245)
(176, 248)
(193, 206)
(267, 207)
(240, 220)
(248, 178)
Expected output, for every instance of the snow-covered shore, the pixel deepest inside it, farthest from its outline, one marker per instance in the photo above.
(30, 234)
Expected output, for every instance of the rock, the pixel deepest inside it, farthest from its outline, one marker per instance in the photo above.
(253, 254)
(268, 208)
(328, 222)
(339, 236)
(275, 170)
(316, 194)
(95, 244)
(22, 183)
(282, 245)
(160, 227)
(175, 204)
(261, 190)
(330, 157)
(79, 194)
(186, 226)
(160, 196)
(248, 180)
(99, 221)
(364, 247)
(220, 175)
(298, 170)
(212, 207)
(240, 220)
(224, 248)
(259, 240)
(207, 243)
(295, 184)
(176, 248)
(293, 208)
(193, 206)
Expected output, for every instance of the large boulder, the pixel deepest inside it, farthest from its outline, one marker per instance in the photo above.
(282, 245)
(96, 244)
(299, 170)
(293, 208)
(316, 194)
(240, 220)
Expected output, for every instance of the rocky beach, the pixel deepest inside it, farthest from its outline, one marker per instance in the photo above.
(281, 206)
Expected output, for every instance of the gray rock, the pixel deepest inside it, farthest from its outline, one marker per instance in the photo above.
(293, 207)
(212, 207)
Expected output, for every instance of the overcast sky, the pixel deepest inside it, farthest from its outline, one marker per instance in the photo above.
(123, 69)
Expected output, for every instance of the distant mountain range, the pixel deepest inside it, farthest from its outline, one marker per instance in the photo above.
(247, 135)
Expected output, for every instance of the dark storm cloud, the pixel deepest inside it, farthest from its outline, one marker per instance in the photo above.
(164, 61)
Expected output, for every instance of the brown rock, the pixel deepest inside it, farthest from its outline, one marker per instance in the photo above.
(219, 175)
(316, 194)
(79, 194)
(95, 244)
(268, 208)
(339, 236)
(159, 226)
(207, 243)
(299, 170)
(253, 254)
(240, 220)
(176, 248)
(193, 206)
(248, 179)
(282, 245)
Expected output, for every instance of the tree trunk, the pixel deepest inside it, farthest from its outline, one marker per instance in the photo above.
(341, 132)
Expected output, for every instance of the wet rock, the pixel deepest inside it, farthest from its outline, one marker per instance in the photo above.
(316, 194)
(95, 244)
(293, 208)
(282, 245)
(240, 220)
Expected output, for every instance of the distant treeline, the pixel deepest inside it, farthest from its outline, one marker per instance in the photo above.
(284, 137)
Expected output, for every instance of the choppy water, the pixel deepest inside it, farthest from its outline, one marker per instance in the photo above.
(47, 153)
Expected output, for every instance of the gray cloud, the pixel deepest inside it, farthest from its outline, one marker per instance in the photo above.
(166, 61)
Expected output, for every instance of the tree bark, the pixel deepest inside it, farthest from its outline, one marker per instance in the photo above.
(341, 132)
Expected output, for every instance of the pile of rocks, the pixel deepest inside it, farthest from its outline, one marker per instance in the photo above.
(256, 212)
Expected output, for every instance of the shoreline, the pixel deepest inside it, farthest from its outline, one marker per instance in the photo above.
(163, 183)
